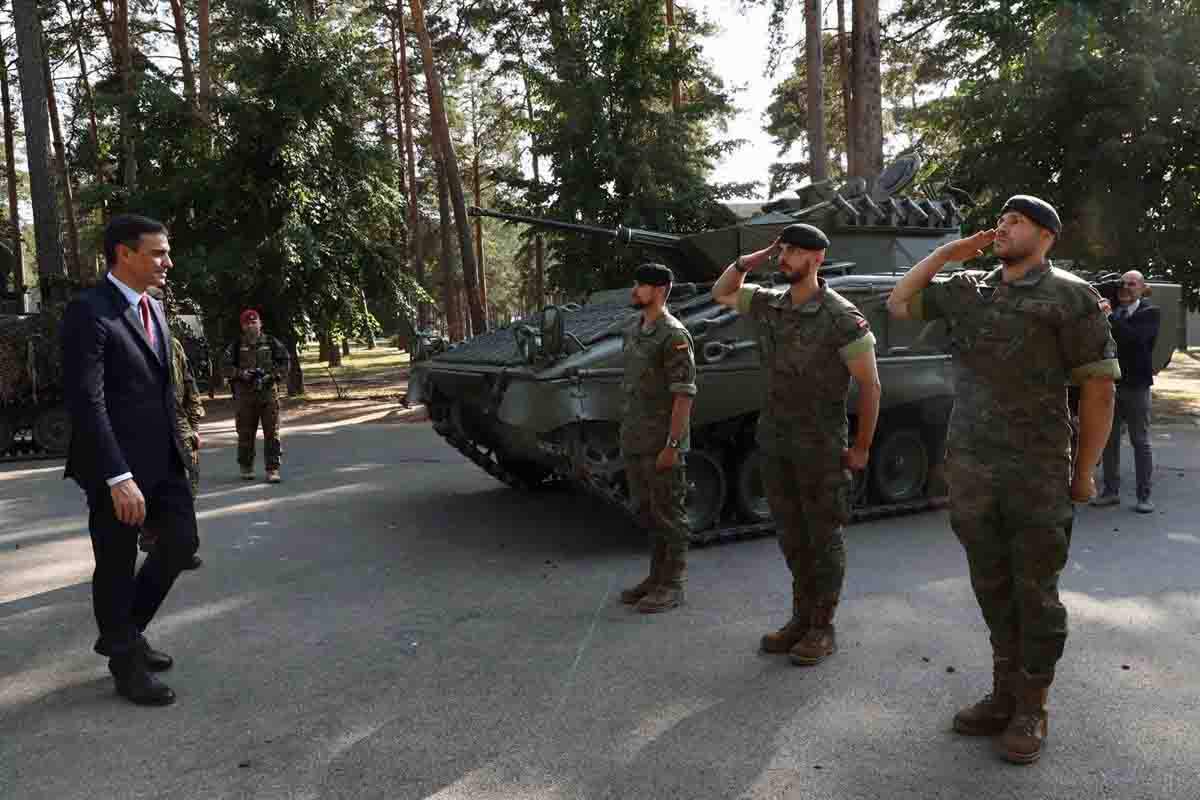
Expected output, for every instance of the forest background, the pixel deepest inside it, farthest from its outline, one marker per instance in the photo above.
(316, 160)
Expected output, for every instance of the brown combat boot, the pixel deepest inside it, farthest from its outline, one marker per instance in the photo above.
(990, 716)
(784, 639)
(668, 592)
(819, 641)
(631, 596)
(1022, 739)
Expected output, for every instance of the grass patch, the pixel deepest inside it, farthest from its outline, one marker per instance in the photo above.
(1176, 393)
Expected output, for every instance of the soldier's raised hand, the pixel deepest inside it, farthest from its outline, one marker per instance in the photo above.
(968, 248)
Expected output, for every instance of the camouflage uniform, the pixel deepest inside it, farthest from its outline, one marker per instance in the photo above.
(659, 364)
(1016, 348)
(188, 409)
(802, 432)
(258, 404)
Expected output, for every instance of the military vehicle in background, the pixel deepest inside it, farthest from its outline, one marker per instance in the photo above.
(539, 401)
(33, 420)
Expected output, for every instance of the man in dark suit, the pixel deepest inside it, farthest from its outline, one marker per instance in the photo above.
(1134, 328)
(125, 449)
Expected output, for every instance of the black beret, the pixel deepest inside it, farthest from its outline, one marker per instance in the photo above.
(654, 275)
(805, 237)
(1037, 210)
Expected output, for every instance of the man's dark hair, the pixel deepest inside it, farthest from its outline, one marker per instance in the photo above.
(127, 229)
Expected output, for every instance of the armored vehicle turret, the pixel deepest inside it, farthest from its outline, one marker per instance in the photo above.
(540, 400)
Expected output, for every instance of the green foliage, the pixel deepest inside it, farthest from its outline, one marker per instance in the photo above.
(287, 203)
(1094, 106)
(613, 150)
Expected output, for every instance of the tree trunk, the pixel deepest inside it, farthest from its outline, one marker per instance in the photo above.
(203, 54)
(74, 262)
(539, 242)
(121, 42)
(30, 61)
(370, 332)
(416, 244)
(106, 25)
(815, 65)
(867, 92)
(323, 339)
(844, 69)
(454, 327)
(346, 347)
(441, 134)
(10, 165)
(295, 372)
(90, 99)
(676, 94)
(185, 56)
(398, 114)
(477, 181)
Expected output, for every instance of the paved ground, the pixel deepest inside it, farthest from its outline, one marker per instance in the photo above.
(392, 623)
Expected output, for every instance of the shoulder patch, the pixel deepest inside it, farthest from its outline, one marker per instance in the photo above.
(681, 345)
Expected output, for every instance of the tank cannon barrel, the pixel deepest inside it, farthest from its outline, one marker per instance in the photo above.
(620, 234)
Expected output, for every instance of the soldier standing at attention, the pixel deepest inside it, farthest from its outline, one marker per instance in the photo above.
(255, 365)
(812, 342)
(1019, 335)
(658, 387)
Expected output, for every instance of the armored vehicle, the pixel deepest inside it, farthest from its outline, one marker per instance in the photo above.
(539, 401)
(33, 419)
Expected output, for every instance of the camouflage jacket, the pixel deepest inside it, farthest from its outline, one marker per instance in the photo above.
(805, 349)
(268, 354)
(1016, 347)
(659, 364)
(188, 408)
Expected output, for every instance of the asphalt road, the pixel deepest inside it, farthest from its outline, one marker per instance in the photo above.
(392, 623)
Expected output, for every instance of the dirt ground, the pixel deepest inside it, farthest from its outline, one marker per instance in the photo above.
(367, 381)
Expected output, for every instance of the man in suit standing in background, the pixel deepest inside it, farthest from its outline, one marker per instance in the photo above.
(125, 450)
(1135, 324)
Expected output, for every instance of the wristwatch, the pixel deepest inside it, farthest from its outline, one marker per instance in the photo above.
(737, 264)
(673, 444)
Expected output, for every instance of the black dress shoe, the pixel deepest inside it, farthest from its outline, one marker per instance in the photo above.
(156, 660)
(137, 685)
(144, 689)
(194, 562)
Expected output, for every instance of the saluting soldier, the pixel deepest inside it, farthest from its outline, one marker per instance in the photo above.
(256, 365)
(812, 342)
(1020, 335)
(659, 386)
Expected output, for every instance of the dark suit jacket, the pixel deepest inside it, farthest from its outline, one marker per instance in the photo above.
(118, 392)
(1135, 336)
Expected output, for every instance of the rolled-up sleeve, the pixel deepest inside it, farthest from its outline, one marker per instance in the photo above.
(680, 363)
(745, 298)
(1086, 343)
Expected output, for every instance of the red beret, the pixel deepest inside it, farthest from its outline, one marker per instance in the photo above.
(249, 314)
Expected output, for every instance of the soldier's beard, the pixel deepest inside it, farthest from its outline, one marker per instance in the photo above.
(1014, 254)
(795, 276)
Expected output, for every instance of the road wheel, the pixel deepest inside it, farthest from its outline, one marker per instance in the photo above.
(749, 493)
(900, 466)
(705, 490)
(52, 429)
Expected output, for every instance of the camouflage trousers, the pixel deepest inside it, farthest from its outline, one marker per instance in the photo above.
(658, 500)
(1014, 521)
(810, 503)
(193, 463)
(253, 409)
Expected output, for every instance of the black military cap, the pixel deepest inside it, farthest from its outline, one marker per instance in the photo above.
(804, 236)
(1037, 210)
(654, 275)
